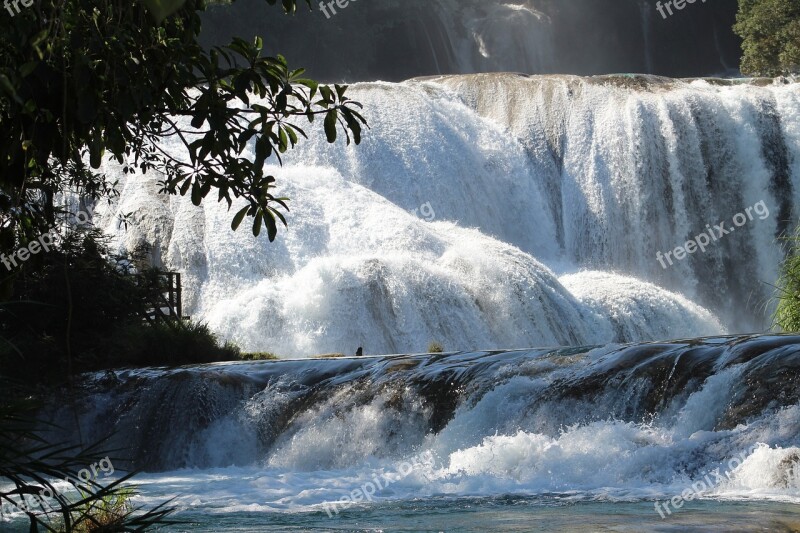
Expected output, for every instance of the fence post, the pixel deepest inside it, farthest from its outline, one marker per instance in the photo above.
(178, 291)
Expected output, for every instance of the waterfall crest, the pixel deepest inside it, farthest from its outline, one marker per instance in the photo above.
(613, 422)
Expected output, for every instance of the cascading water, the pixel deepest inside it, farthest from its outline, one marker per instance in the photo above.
(502, 212)
(611, 423)
(572, 185)
(481, 211)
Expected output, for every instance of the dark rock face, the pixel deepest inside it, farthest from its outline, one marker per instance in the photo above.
(394, 40)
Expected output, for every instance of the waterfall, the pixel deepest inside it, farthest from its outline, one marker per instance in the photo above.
(501, 210)
(495, 214)
(610, 422)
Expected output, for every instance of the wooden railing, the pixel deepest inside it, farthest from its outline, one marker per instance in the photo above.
(166, 301)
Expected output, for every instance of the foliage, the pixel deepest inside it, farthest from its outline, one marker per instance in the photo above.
(771, 33)
(79, 308)
(258, 356)
(787, 314)
(103, 513)
(167, 343)
(435, 347)
(30, 465)
(90, 80)
(64, 302)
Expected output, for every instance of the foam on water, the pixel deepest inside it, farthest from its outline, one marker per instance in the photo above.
(522, 179)
(613, 423)
(551, 196)
(609, 460)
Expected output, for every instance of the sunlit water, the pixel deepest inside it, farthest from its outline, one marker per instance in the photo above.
(435, 442)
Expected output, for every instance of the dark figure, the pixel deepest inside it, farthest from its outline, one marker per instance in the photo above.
(359, 352)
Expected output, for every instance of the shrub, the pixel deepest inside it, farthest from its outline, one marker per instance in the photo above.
(770, 30)
(435, 347)
(106, 513)
(329, 356)
(787, 314)
(62, 306)
(78, 308)
(28, 463)
(258, 356)
(168, 343)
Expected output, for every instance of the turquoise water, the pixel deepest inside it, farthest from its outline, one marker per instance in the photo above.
(514, 514)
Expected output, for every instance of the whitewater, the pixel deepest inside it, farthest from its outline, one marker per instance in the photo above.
(552, 196)
(273, 445)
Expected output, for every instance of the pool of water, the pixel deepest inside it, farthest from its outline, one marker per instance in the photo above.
(507, 513)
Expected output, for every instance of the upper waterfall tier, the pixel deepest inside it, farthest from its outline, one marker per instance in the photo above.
(469, 211)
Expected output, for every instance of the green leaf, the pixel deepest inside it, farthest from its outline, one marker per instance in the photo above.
(96, 152)
(284, 141)
(196, 194)
(8, 87)
(330, 125)
(327, 94)
(272, 227)
(26, 69)
(237, 220)
(257, 223)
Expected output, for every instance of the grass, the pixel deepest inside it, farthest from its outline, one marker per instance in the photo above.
(787, 314)
(330, 356)
(435, 347)
(169, 344)
(258, 356)
(105, 514)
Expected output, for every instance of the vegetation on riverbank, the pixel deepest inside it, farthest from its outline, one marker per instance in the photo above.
(31, 467)
(79, 308)
(787, 314)
(82, 83)
(770, 30)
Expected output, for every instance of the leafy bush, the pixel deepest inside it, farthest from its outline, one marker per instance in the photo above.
(435, 347)
(106, 513)
(28, 463)
(258, 356)
(167, 344)
(78, 308)
(60, 306)
(771, 33)
(787, 314)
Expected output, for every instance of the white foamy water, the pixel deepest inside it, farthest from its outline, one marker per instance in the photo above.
(528, 180)
(604, 460)
(613, 423)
